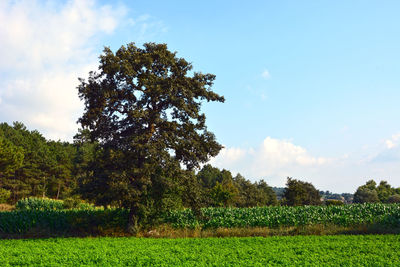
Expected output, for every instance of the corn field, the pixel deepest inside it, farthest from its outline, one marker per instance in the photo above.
(98, 220)
(277, 216)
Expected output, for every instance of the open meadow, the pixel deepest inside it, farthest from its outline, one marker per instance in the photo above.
(350, 250)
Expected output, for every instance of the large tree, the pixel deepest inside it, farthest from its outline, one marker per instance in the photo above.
(143, 109)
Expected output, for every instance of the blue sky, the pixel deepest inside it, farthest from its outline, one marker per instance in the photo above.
(311, 87)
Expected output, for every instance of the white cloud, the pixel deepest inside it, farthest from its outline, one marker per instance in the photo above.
(274, 158)
(232, 154)
(265, 74)
(393, 141)
(45, 47)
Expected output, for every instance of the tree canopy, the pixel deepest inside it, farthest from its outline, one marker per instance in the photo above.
(143, 107)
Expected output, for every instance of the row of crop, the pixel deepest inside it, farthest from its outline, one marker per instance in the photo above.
(97, 220)
(348, 215)
(34, 203)
(62, 221)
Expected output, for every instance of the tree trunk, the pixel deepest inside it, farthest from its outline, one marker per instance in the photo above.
(58, 190)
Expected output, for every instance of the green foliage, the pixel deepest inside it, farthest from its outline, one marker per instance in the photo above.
(225, 190)
(11, 157)
(384, 191)
(33, 203)
(143, 109)
(345, 215)
(56, 221)
(371, 193)
(32, 166)
(366, 195)
(222, 194)
(299, 193)
(266, 195)
(76, 203)
(209, 176)
(4, 195)
(253, 194)
(359, 250)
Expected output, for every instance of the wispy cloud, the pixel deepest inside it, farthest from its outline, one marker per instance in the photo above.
(266, 74)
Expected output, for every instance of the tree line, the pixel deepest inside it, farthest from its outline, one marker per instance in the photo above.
(31, 165)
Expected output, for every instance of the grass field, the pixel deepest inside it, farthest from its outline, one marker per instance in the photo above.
(360, 250)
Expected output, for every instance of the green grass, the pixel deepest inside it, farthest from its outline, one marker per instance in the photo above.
(361, 250)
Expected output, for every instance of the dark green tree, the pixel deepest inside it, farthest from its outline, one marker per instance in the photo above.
(143, 109)
(366, 193)
(223, 194)
(209, 176)
(11, 158)
(384, 191)
(61, 183)
(218, 188)
(267, 196)
(35, 166)
(253, 194)
(371, 193)
(299, 193)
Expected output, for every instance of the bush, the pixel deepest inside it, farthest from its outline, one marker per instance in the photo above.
(33, 203)
(4, 195)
